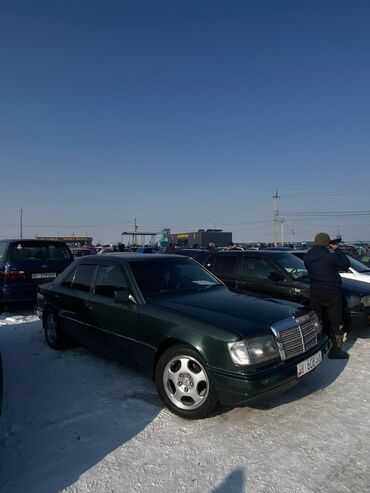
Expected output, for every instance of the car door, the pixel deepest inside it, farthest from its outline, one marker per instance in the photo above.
(70, 299)
(114, 322)
(259, 274)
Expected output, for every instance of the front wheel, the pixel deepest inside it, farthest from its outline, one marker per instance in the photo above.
(184, 384)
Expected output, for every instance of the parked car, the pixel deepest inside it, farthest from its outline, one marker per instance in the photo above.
(147, 249)
(26, 263)
(194, 253)
(114, 249)
(82, 251)
(351, 249)
(166, 314)
(283, 275)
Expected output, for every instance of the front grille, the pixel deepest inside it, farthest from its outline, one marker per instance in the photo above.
(295, 339)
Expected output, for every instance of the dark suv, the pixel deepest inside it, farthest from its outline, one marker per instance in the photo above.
(26, 263)
(281, 274)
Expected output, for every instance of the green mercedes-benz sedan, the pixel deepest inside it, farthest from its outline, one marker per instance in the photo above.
(201, 343)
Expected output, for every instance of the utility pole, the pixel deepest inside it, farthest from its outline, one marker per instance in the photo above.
(21, 222)
(276, 218)
(282, 230)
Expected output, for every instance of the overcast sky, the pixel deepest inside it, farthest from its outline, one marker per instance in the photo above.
(185, 114)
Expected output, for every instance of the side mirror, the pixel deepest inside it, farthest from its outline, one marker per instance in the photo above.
(275, 276)
(121, 295)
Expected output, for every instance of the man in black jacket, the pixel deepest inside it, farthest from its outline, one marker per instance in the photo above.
(325, 288)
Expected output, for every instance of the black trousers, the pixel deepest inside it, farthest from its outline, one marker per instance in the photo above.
(327, 303)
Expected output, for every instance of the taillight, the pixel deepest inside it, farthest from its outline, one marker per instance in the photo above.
(13, 275)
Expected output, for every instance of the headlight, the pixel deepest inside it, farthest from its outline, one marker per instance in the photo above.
(316, 323)
(253, 351)
(239, 353)
(365, 300)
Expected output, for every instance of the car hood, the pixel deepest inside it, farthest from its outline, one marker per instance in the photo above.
(352, 286)
(356, 276)
(246, 315)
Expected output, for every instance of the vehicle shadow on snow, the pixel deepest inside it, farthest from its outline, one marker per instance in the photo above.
(317, 380)
(71, 409)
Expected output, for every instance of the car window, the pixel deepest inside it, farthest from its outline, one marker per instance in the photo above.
(67, 282)
(109, 278)
(358, 266)
(170, 275)
(224, 265)
(291, 264)
(23, 251)
(365, 259)
(38, 251)
(257, 268)
(80, 278)
(57, 251)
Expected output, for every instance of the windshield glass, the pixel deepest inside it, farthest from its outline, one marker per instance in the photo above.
(358, 266)
(170, 275)
(293, 265)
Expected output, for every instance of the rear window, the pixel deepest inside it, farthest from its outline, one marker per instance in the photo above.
(23, 251)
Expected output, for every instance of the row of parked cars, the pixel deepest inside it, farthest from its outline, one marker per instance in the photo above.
(228, 328)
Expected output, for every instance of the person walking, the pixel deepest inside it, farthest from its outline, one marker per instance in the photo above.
(323, 269)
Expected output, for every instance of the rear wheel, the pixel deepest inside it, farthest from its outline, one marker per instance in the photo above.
(54, 335)
(184, 384)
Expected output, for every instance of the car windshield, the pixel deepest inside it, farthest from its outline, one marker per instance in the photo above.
(358, 266)
(170, 275)
(292, 264)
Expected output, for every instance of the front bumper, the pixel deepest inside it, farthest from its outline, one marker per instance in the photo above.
(235, 389)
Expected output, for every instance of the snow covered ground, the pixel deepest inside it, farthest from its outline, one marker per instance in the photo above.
(75, 421)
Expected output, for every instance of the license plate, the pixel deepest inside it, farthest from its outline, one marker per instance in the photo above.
(44, 275)
(309, 364)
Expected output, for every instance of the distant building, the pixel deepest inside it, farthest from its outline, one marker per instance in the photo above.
(201, 238)
(72, 241)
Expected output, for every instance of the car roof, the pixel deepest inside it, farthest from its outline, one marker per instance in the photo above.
(129, 256)
(35, 240)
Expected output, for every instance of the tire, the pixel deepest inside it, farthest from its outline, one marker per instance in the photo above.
(184, 384)
(54, 335)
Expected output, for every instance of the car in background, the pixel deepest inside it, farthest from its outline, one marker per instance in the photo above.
(194, 253)
(351, 249)
(26, 263)
(114, 249)
(82, 251)
(283, 275)
(167, 315)
(147, 249)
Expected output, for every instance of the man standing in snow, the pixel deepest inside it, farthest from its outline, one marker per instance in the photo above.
(325, 288)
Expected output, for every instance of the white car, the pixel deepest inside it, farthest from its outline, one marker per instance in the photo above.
(358, 271)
